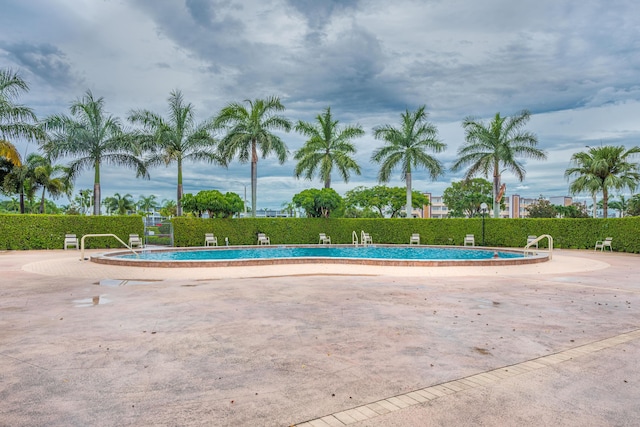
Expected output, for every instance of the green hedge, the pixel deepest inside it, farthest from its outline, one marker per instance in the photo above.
(47, 231)
(576, 233)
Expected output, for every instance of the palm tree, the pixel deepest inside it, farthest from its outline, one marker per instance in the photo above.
(249, 130)
(148, 204)
(10, 152)
(587, 180)
(175, 139)
(93, 138)
(602, 169)
(121, 205)
(327, 146)
(16, 120)
(620, 205)
(19, 179)
(406, 146)
(497, 145)
(52, 178)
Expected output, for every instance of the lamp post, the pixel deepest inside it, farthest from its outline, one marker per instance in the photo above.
(483, 207)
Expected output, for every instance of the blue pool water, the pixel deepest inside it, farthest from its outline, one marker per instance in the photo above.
(367, 252)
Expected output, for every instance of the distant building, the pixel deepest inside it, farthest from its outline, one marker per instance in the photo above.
(515, 206)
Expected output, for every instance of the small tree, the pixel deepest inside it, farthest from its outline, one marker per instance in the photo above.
(464, 198)
(385, 200)
(318, 203)
(542, 208)
(214, 203)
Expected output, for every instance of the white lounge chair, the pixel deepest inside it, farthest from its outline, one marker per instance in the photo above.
(415, 239)
(365, 238)
(530, 239)
(469, 240)
(602, 244)
(70, 240)
(210, 240)
(135, 241)
(263, 239)
(324, 239)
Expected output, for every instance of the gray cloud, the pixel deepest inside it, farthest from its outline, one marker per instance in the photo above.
(574, 65)
(44, 60)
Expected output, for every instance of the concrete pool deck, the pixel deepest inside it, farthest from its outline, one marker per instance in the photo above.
(555, 343)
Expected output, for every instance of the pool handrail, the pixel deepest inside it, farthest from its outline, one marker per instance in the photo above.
(535, 243)
(354, 238)
(103, 235)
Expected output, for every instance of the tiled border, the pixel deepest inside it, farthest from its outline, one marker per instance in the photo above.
(110, 259)
(483, 379)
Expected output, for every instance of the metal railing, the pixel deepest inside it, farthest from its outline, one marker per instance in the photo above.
(535, 243)
(103, 235)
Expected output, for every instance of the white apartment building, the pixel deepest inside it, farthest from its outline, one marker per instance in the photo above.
(515, 206)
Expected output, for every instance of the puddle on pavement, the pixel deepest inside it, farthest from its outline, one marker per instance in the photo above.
(117, 282)
(90, 302)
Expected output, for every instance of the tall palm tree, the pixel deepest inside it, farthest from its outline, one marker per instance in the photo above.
(406, 146)
(177, 138)
(93, 138)
(249, 129)
(497, 145)
(609, 166)
(328, 146)
(16, 120)
(51, 178)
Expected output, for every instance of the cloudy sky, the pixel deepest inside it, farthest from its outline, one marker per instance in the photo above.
(573, 64)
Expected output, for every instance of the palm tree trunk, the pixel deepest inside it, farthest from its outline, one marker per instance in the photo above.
(409, 207)
(179, 190)
(327, 183)
(96, 190)
(21, 201)
(496, 189)
(254, 177)
(605, 202)
(42, 201)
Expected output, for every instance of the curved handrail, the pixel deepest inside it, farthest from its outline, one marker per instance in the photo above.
(354, 238)
(535, 242)
(102, 235)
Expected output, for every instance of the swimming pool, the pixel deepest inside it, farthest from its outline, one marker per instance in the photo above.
(398, 255)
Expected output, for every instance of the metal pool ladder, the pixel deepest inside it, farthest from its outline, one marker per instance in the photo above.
(534, 243)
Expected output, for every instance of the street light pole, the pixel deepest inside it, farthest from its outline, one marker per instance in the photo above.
(483, 207)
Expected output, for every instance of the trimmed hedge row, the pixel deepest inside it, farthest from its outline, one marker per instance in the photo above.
(570, 233)
(47, 231)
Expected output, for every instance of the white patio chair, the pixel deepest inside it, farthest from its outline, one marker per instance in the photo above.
(135, 241)
(602, 244)
(469, 240)
(530, 239)
(210, 240)
(324, 239)
(415, 239)
(263, 239)
(70, 240)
